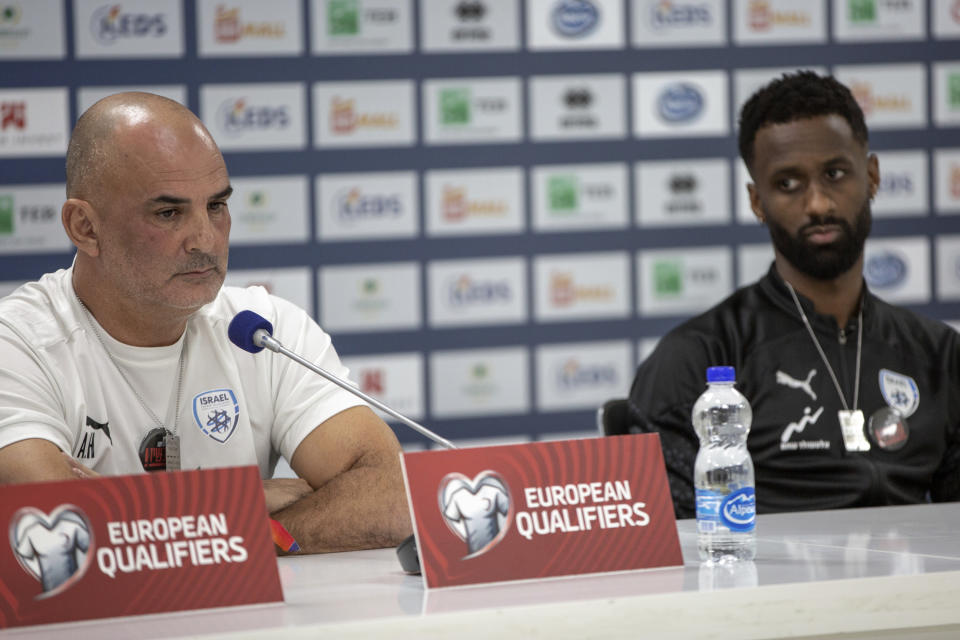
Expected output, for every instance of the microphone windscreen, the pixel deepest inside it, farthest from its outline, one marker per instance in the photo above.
(243, 326)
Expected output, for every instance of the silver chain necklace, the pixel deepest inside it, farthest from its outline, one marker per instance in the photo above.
(851, 419)
(172, 438)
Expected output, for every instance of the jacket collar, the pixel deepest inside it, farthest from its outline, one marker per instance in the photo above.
(774, 286)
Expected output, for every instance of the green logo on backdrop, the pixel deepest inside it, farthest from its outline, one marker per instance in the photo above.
(668, 278)
(953, 90)
(563, 194)
(455, 106)
(343, 18)
(6, 215)
(862, 10)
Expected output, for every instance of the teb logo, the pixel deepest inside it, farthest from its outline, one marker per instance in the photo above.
(56, 548)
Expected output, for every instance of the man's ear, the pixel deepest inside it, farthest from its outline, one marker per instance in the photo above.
(81, 222)
(873, 174)
(755, 202)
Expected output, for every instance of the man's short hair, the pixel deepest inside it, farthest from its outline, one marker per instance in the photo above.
(797, 96)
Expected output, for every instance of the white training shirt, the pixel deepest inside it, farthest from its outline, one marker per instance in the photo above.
(236, 408)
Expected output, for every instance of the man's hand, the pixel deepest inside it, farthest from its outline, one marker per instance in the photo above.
(79, 470)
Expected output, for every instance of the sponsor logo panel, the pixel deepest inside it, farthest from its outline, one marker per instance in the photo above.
(946, 94)
(891, 96)
(582, 375)
(898, 269)
(477, 292)
(128, 29)
(255, 117)
(33, 122)
(470, 25)
(578, 197)
(947, 265)
(575, 107)
(945, 19)
(574, 24)
(30, 219)
(347, 27)
(692, 103)
(947, 181)
(903, 184)
(697, 23)
(581, 285)
(86, 96)
(484, 110)
(249, 28)
(683, 192)
(683, 280)
(370, 297)
(293, 284)
(396, 379)
(367, 206)
(479, 382)
(860, 20)
(364, 114)
(779, 22)
(477, 201)
(31, 29)
(271, 209)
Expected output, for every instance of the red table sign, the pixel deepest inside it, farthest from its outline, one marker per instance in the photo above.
(131, 545)
(540, 510)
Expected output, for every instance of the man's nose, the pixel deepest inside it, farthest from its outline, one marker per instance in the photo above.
(818, 201)
(201, 235)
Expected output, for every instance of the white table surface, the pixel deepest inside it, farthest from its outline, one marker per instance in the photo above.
(816, 574)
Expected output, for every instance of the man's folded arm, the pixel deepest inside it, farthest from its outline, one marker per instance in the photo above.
(33, 460)
(358, 500)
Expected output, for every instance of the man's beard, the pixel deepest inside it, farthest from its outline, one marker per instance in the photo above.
(827, 261)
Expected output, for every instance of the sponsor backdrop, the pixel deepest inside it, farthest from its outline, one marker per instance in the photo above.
(495, 206)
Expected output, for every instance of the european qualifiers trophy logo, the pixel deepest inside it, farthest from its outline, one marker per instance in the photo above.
(477, 511)
(54, 548)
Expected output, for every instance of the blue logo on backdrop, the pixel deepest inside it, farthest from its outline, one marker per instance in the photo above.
(738, 511)
(464, 290)
(353, 205)
(108, 24)
(896, 183)
(680, 103)
(572, 375)
(237, 116)
(885, 270)
(217, 413)
(575, 18)
(673, 14)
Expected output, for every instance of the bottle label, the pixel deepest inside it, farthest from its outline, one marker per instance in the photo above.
(738, 511)
(708, 510)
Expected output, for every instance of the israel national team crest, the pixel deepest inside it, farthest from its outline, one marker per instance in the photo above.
(900, 392)
(217, 413)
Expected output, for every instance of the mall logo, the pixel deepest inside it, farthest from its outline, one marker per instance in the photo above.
(478, 510)
(109, 24)
(870, 102)
(13, 115)
(680, 103)
(565, 292)
(228, 27)
(762, 17)
(352, 205)
(884, 270)
(344, 117)
(574, 18)
(670, 15)
(456, 205)
(56, 549)
(465, 291)
(573, 375)
(236, 117)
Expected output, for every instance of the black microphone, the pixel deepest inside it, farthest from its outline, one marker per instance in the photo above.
(252, 332)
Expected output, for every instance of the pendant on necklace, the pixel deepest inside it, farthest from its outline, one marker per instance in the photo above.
(851, 425)
(172, 446)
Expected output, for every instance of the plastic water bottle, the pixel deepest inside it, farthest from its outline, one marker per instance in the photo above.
(723, 473)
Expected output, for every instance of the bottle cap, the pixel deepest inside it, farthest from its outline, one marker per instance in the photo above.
(721, 374)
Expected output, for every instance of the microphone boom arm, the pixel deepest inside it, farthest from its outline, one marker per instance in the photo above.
(263, 339)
